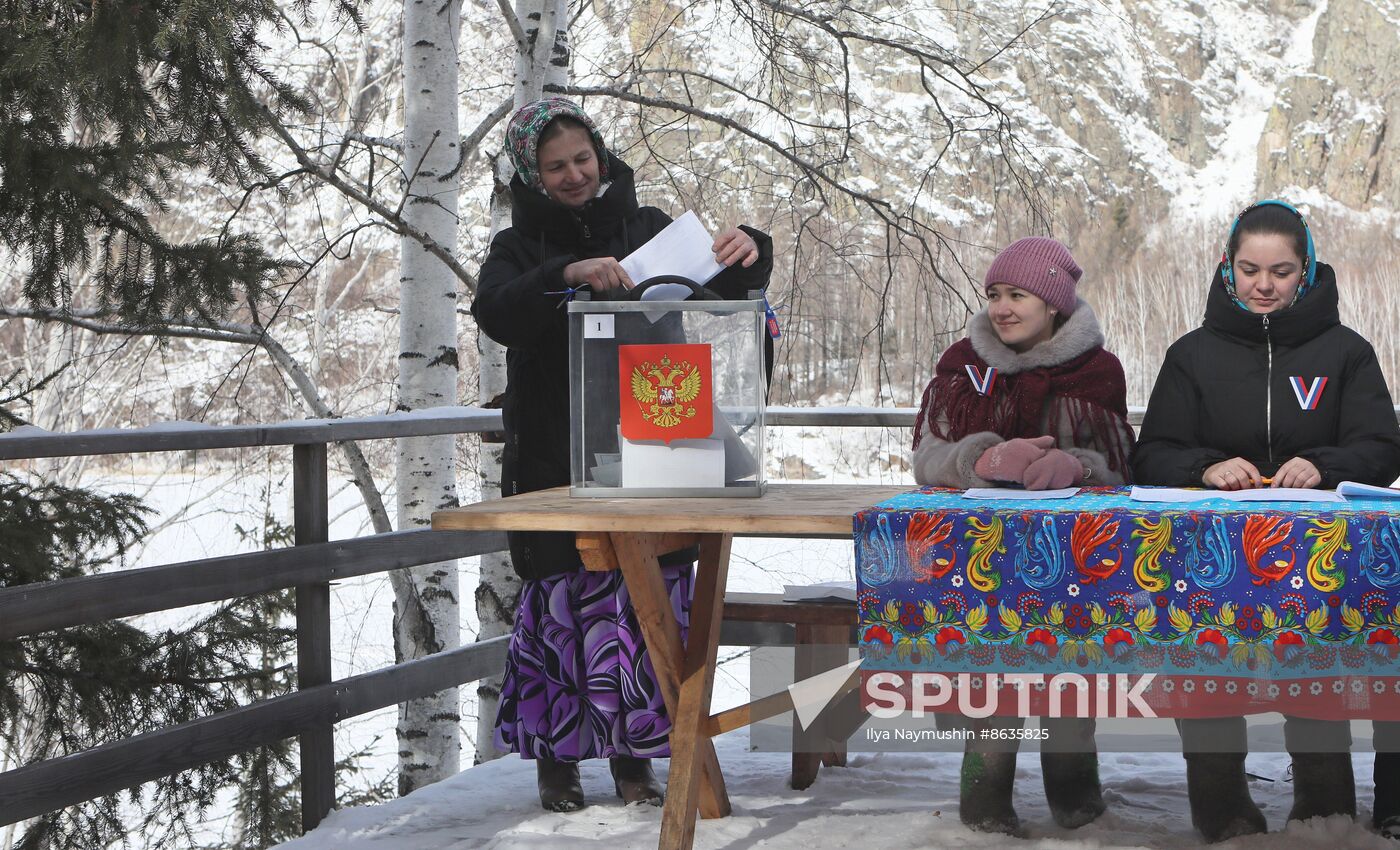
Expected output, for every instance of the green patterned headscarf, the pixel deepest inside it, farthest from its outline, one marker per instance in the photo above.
(523, 137)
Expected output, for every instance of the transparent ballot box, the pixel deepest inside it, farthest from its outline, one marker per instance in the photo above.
(666, 397)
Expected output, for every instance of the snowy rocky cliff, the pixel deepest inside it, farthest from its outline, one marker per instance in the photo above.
(1330, 123)
(1140, 108)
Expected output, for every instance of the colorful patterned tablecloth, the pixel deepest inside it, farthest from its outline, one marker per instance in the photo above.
(1235, 607)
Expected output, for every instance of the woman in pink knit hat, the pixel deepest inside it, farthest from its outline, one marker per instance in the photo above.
(1029, 398)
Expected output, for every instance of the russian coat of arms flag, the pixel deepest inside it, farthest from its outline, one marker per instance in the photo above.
(666, 397)
(667, 391)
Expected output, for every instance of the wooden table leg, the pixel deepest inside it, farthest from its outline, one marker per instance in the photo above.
(819, 648)
(686, 678)
(696, 783)
(807, 744)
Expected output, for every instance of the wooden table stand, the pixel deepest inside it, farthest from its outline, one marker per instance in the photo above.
(631, 535)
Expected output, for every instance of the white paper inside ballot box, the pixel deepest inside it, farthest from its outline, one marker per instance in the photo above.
(679, 463)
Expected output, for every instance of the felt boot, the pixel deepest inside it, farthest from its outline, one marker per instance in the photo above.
(1323, 785)
(985, 792)
(1072, 787)
(1218, 791)
(1385, 816)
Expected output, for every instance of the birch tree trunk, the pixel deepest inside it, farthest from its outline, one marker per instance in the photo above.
(542, 57)
(426, 612)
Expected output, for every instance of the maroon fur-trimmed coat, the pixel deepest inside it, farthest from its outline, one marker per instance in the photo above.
(1068, 387)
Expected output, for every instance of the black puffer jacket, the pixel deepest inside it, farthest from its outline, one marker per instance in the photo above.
(519, 305)
(1225, 391)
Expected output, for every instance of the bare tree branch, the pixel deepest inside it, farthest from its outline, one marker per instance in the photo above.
(100, 322)
(392, 219)
(472, 140)
(808, 168)
(522, 42)
(742, 91)
(376, 141)
(902, 223)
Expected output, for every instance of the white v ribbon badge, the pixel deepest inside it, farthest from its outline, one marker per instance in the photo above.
(1310, 394)
(982, 381)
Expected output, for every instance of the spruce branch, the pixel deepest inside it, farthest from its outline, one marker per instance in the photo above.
(157, 90)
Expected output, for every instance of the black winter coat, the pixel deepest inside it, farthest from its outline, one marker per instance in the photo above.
(519, 304)
(1225, 391)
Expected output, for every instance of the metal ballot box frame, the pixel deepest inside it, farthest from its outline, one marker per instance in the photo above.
(666, 397)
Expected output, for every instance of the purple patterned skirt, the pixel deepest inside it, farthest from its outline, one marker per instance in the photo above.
(578, 682)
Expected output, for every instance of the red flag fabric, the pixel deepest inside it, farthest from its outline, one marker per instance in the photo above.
(666, 391)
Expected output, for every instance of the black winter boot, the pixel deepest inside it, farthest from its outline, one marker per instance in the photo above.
(985, 794)
(1218, 791)
(560, 788)
(1072, 787)
(635, 782)
(1385, 815)
(1323, 785)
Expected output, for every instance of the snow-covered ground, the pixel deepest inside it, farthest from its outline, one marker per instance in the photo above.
(891, 800)
(886, 800)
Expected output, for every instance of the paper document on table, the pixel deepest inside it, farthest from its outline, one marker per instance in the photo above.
(1169, 494)
(1256, 494)
(1355, 490)
(683, 248)
(1015, 493)
(1281, 494)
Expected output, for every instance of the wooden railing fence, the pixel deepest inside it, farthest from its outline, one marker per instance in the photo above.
(310, 566)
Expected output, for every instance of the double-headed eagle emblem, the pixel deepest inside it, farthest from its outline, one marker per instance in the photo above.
(665, 391)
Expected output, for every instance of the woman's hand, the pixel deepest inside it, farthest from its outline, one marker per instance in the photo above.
(1233, 474)
(1297, 472)
(600, 273)
(1007, 461)
(735, 246)
(1055, 470)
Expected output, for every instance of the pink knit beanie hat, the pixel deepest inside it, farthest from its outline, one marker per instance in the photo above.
(1040, 266)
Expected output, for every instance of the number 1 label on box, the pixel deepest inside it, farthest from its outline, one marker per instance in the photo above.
(599, 326)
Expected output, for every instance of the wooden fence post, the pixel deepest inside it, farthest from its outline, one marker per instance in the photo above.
(312, 523)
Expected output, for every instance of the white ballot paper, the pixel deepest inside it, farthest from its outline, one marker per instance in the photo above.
(1253, 494)
(1013, 493)
(1282, 494)
(682, 248)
